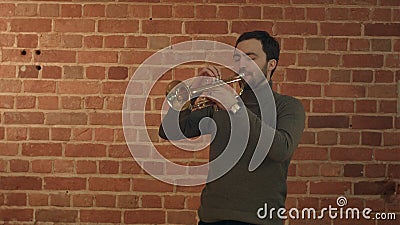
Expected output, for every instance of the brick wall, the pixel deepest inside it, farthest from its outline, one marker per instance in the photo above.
(65, 65)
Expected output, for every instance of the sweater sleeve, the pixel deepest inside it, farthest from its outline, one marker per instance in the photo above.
(188, 125)
(288, 131)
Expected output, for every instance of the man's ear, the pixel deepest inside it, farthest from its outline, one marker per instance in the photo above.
(272, 63)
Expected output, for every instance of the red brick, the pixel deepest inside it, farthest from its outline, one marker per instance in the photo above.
(363, 60)
(82, 134)
(7, 71)
(56, 56)
(8, 149)
(48, 102)
(100, 216)
(23, 118)
(329, 187)
(353, 170)
(82, 200)
(136, 42)
(109, 184)
(337, 44)
(174, 202)
(74, 25)
(366, 106)
(311, 153)
(60, 200)
(145, 216)
(348, 91)
(315, 14)
(20, 183)
(181, 217)
(351, 154)
(16, 199)
(382, 29)
(38, 199)
(371, 138)
(117, 11)
(19, 165)
(94, 102)
(250, 12)
(14, 55)
(105, 200)
(314, 59)
(373, 187)
(307, 90)
(6, 102)
(294, 13)
(64, 183)
(118, 73)
(391, 139)
(56, 215)
(42, 149)
(185, 11)
(372, 122)
(296, 28)
(394, 171)
(16, 133)
(128, 201)
(364, 76)
(207, 27)
(66, 118)
(114, 41)
(104, 134)
(227, 12)
(7, 9)
(382, 91)
(95, 72)
(139, 11)
(105, 118)
(341, 29)
(118, 26)
(151, 201)
(31, 25)
(349, 138)
(327, 138)
(13, 86)
(93, 41)
(49, 10)
(108, 167)
(85, 150)
(359, 45)
(71, 102)
(244, 26)
(387, 154)
(42, 166)
(16, 214)
(98, 57)
(318, 75)
(78, 87)
(322, 106)
(328, 121)
(331, 170)
(375, 170)
(86, 167)
(151, 186)
(305, 170)
(161, 11)
(71, 10)
(52, 72)
(93, 10)
(27, 40)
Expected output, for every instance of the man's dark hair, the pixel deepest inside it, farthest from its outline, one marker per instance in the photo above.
(269, 44)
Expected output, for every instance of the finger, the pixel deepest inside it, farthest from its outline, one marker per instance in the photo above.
(206, 72)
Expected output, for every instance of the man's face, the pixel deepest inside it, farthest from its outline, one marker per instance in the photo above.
(253, 49)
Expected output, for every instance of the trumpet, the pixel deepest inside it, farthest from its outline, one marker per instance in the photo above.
(179, 94)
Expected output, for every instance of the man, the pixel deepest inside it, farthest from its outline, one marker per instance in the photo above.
(237, 196)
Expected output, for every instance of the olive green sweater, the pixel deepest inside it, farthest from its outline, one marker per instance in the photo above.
(238, 194)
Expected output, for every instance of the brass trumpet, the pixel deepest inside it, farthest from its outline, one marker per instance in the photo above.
(179, 94)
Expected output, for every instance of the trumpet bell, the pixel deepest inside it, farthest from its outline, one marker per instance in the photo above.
(178, 96)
